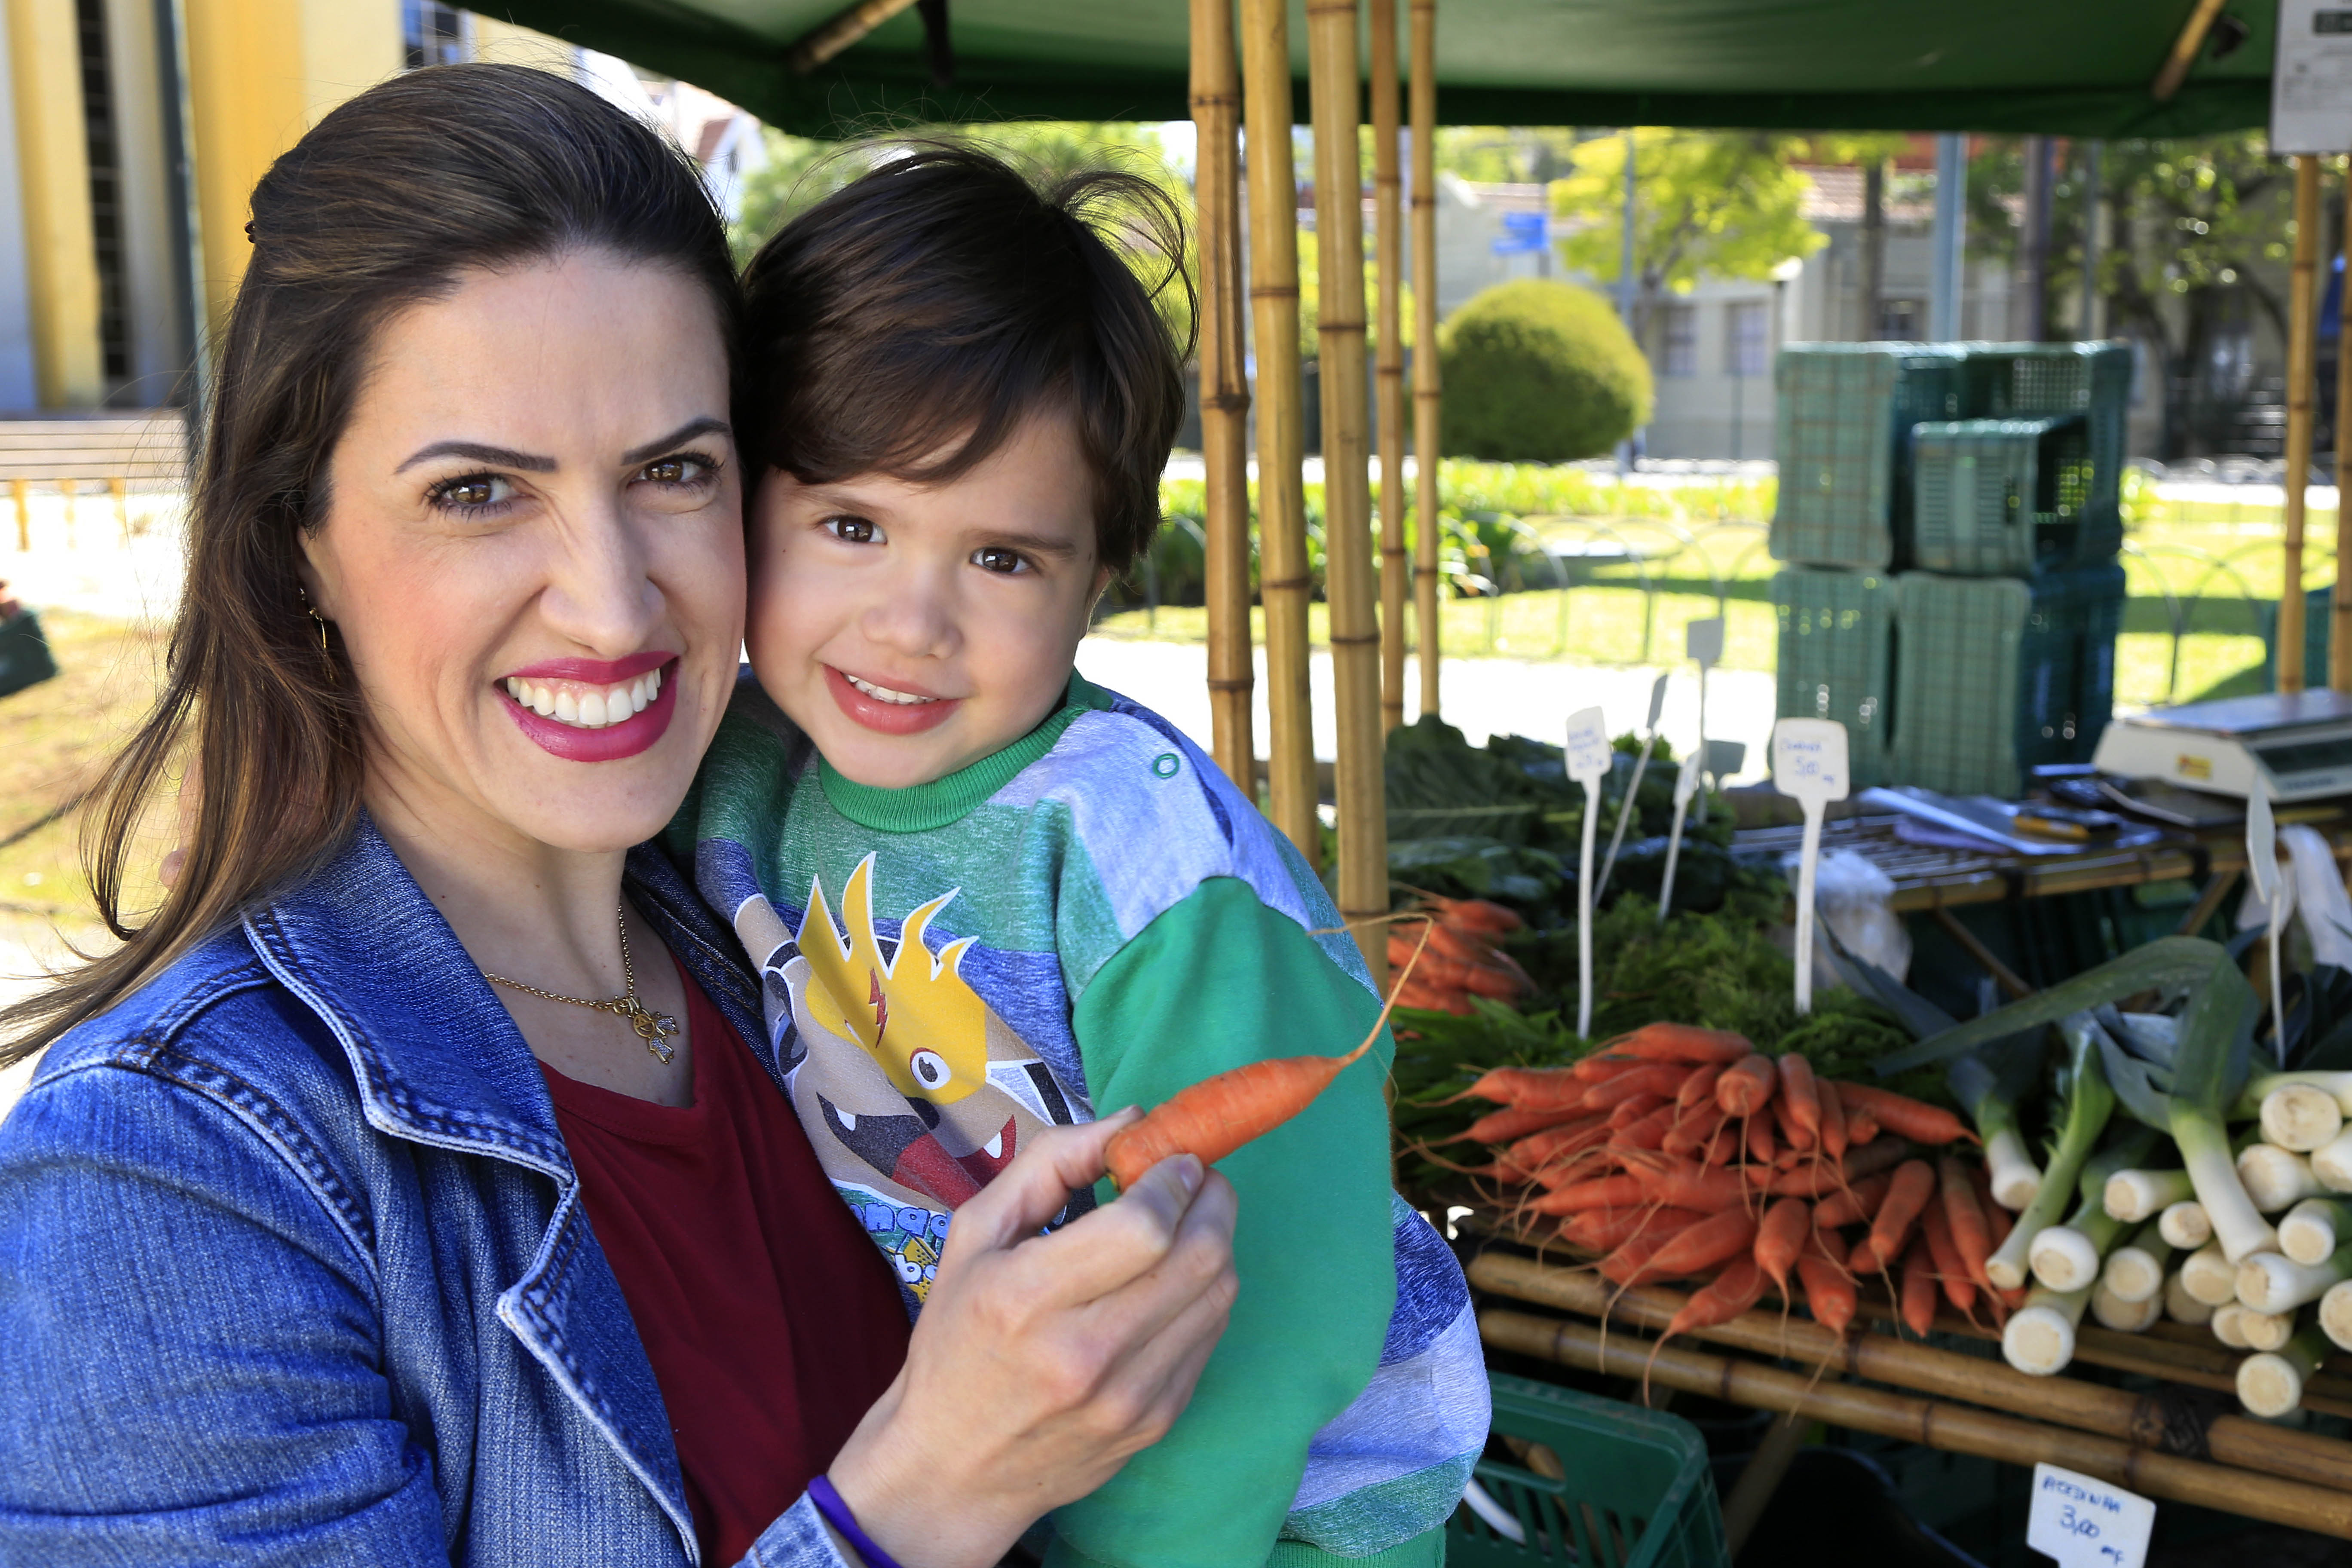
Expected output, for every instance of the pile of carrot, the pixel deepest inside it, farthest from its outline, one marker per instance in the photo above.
(1464, 956)
(1675, 1152)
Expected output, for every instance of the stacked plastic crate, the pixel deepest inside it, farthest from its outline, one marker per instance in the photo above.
(1949, 512)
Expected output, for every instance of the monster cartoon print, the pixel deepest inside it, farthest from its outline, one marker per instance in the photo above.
(915, 1091)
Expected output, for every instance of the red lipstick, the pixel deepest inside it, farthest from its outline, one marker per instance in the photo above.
(887, 717)
(637, 734)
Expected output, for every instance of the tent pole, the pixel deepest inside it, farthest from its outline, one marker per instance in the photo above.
(1284, 584)
(1424, 47)
(2339, 642)
(1224, 386)
(2184, 51)
(2303, 332)
(1332, 89)
(1389, 245)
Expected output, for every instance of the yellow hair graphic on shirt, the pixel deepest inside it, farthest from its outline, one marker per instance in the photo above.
(913, 1013)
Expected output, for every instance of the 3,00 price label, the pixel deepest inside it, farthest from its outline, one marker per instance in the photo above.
(2086, 1522)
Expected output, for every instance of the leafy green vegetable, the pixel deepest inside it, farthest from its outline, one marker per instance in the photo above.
(2167, 963)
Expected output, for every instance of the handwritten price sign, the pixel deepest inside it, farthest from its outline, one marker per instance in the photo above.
(2087, 1523)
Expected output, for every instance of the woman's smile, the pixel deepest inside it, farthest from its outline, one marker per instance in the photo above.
(593, 711)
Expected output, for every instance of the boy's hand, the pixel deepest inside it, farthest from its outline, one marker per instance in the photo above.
(1042, 1362)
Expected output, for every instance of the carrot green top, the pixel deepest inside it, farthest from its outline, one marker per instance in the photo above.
(1090, 917)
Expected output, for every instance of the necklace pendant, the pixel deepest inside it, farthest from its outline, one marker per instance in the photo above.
(655, 1029)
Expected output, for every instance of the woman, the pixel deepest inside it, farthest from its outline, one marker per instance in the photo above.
(296, 1253)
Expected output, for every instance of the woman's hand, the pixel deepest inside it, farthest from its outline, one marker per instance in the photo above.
(1042, 1362)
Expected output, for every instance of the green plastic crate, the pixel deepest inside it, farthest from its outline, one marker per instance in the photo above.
(1999, 497)
(1843, 413)
(2008, 381)
(1837, 657)
(2010, 674)
(1638, 1492)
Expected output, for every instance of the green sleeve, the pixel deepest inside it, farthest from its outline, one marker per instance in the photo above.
(1218, 981)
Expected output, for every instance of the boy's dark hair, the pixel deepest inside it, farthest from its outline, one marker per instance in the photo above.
(944, 296)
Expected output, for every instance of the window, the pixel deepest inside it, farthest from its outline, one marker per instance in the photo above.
(1747, 339)
(434, 35)
(1678, 326)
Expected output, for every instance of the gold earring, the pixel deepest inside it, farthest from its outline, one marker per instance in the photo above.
(320, 621)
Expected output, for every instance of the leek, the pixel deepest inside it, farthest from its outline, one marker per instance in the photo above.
(2124, 1317)
(2272, 1282)
(2332, 1162)
(2271, 1385)
(2135, 1270)
(1988, 1083)
(2264, 1331)
(2133, 1196)
(2088, 1104)
(2040, 1336)
(2225, 1325)
(2208, 1274)
(2336, 1312)
(2066, 1257)
(2276, 1178)
(2300, 1116)
(2167, 963)
(2183, 1308)
(2184, 1224)
(2313, 1228)
(2214, 1034)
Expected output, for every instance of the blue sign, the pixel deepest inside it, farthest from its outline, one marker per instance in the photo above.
(1523, 233)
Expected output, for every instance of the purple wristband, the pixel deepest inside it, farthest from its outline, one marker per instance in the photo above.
(844, 1523)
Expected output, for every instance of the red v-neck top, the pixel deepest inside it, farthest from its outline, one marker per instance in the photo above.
(772, 1322)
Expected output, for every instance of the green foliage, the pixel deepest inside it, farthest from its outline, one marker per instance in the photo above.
(1505, 155)
(1726, 204)
(1535, 369)
(1310, 299)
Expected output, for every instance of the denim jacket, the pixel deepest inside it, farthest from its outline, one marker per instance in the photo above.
(293, 1267)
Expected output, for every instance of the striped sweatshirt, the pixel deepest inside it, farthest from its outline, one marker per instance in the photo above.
(1094, 917)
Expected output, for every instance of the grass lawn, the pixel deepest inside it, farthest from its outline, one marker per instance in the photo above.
(55, 738)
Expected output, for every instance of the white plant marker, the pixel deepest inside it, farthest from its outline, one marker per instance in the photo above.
(1640, 765)
(1809, 763)
(1703, 642)
(2262, 869)
(1588, 764)
(1685, 786)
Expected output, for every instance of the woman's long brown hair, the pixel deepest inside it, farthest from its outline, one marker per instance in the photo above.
(379, 208)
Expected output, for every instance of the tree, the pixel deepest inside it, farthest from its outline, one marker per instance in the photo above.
(1706, 203)
(1506, 155)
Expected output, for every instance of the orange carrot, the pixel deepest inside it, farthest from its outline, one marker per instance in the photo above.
(1517, 1086)
(1761, 1146)
(1686, 1186)
(1784, 1122)
(1857, 1202)
(1632, 1108)
(1699, 1087)
(1799, 1093)
(1475, 914)
(1711, 1242)
(1696, 1131)
(1649, 1133)
(1830, 1294)
(1918, 1289)
(1914, 1184)
(1217, 1115)
(1724, 1145)
(1833, 1139)
(1659, 1078)
(1437, 970)
(1599, 1192)
(1605, 1230)
(1915, 1119)
(1423, 998)
(1781, 1236)
(1512, 1123)
(1448, 941)
(1682, 1043)
(1951, 1270)
(1747, 1084)
(1861, 1124)
(1964, 1218)
(1538, 1150)
(1605, 1064)
(1739, 1286)
(1629, 1262)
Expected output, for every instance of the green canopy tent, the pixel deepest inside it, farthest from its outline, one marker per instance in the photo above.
(2081, 68)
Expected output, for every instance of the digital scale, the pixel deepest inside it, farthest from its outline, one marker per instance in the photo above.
(2292, 745)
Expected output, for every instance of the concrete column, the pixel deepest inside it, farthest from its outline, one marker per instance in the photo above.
(17, 386)
(53, 170)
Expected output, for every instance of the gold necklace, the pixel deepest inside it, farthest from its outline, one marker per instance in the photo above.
(654, 1028)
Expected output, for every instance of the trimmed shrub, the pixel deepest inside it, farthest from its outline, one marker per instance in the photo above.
(1539, 372)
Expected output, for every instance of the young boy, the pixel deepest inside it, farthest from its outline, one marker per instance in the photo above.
(987, 897)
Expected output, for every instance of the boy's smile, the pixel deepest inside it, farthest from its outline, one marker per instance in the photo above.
(912, 629)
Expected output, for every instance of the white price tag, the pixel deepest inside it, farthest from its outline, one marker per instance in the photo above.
(2087, 1523)
(2311, 78)
(1588, 746)
(1809, 759)
(2262, 847)
(1687, 785)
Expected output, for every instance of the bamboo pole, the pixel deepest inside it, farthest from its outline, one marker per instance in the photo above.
(1424, 47)
(1224, 386)
(2302, 344)
(2184, 50)
(1388, 207)
(2339, 637)
(1955, 1428)
(1348, 588)
(1882, 1358)
(837, 32)
(1282, 583)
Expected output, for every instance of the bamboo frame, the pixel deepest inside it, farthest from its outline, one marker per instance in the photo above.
(1423, 49)
(1955, 1428)
(2340, 640)
(1284, 585)
(2184, 50)
(1882, 1358)
(1347, 587)
(1388, 209)
(2302, 348)
(837, 32)
(1224, 387)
